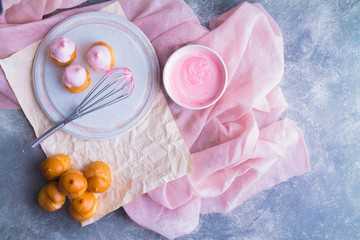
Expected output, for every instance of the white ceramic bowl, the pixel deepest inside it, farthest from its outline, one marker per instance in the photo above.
(189, 51)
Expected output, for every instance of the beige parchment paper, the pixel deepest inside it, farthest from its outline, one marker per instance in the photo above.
(150, 155)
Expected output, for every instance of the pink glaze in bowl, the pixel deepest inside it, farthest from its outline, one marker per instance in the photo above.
(195, 77)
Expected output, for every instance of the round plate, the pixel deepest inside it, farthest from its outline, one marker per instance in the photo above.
(132, 50)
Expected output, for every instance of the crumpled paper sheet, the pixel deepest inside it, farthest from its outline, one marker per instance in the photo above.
(150, 155)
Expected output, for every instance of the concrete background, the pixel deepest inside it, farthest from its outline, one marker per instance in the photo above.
(322, 86)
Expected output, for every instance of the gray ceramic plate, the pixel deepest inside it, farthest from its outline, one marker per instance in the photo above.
(132, 50)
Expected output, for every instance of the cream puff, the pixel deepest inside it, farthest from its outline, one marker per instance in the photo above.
(98, 175)
(54, 166)
(73, 183)
(50, 197)
(76, 78)
(83, 207)
(62, 51)
(101, 56)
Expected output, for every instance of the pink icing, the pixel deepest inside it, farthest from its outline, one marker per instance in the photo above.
(74, 76)
(196, 78)
(61, 49)
(99, 58)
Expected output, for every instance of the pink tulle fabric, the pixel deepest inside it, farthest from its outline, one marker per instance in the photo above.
(238, 146)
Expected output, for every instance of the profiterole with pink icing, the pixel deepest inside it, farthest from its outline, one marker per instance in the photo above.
(76, 78)
(62, 51)
(101, 56)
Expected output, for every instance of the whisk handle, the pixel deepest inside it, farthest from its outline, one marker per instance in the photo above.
(47, 134)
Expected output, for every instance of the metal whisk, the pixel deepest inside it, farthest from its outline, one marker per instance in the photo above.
(116, 85)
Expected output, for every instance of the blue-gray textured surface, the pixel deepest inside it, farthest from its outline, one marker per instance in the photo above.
(321, 85)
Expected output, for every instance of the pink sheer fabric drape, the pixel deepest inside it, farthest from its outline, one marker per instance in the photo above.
(238, 146)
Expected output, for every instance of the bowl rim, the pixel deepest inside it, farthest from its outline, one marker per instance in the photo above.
(223, 66)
